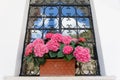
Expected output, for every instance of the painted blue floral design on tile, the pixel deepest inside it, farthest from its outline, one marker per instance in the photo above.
(38, 23)
(51, 11)
(35, 34)
(80, 12)
(85, 21)
(51, 23)
(68, 11)
(54, 22)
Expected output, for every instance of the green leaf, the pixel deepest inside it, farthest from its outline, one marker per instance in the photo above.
(32, 55)
(46, 55)
(36, 63)
(73, 44)
(52, 54)
(29, 59)
(61, 47)
(60, 54)
(69, 57)
(65, 58)
(81, 44)
(39, 61)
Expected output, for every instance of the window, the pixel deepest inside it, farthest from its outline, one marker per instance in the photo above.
(69, 17)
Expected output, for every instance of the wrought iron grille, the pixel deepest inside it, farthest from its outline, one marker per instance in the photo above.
(69, 17)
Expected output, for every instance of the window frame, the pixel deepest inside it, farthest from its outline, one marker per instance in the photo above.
(23, 35)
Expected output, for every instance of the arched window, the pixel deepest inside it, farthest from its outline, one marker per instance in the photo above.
(68, 17)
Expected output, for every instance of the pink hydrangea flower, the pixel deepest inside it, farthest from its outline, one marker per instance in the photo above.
(82, 54)
(66, 40)
(67, 49)
(28, 49)
(75, 40)
(40, 50)
(53, 45)
(49, 35)
(38, 41)
(57, 37)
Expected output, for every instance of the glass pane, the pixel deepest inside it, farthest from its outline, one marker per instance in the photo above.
(40, 23)
(35, 23)
(52, 1)
(87, 34)
(83, 22)
(89, 68)
(82, 11)
(68, 1)
(35, 34)
(51, 23)
(62, 1)
(51, 11)
(83, 1)
(72, 33)
(92, 50)
(68, 23)
(29, 69)
(68, 11)
(36, 11)
(31, 22)
(37, 1)
(49, 31)
(44, 11)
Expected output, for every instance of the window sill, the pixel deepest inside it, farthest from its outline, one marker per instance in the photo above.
(62, 78)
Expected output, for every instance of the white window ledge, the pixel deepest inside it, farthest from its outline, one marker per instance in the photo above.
(60, 78)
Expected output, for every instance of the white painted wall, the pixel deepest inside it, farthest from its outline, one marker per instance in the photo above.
(11, 22)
